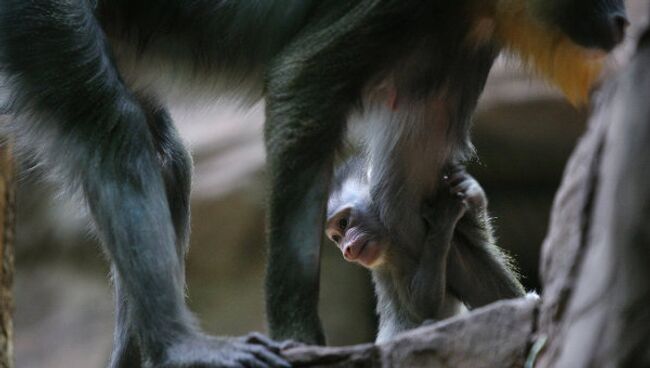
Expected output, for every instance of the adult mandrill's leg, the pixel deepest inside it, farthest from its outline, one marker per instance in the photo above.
(311, 89)
(97, 138)
(300, 171)
(126, 351)
(176, 167)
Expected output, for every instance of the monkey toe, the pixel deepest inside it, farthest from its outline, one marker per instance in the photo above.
(466, 188)
(257, 338)
(291, 344)
(444, 213)
(254, 350)
(455, 177)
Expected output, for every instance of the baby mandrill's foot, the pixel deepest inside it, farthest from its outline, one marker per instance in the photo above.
(443, 213)
(464, 186)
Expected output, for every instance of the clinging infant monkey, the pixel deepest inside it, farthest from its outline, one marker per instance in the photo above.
(458, 262)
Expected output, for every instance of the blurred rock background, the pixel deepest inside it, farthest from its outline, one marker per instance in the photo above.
(524, 132)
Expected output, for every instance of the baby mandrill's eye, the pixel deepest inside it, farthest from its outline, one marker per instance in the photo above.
(336, 238)
(343, 223)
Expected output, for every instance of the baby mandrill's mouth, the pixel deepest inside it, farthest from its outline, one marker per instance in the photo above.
(361, 249)
(354, 248)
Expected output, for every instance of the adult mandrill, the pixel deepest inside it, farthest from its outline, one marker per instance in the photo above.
(456, 263)
(89, 81)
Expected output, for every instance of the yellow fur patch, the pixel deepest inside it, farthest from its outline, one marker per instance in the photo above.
(547, 52)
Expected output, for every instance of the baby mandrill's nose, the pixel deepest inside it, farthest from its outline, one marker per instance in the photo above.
(347, 252)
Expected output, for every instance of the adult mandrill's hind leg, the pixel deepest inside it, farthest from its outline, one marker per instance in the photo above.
(302, 133)
(311, 89)
(126, 351)
(176, 167)
(299, 183)
(98, 138)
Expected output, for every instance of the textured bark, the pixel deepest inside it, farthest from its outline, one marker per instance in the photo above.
(495, 336)
(596, 259)
(6, 256)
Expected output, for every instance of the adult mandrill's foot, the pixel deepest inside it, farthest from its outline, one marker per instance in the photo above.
(201, 351)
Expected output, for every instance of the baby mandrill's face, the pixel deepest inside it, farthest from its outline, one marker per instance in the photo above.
(355, 228)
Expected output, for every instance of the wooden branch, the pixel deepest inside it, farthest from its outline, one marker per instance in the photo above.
(7, 199)
(596, 258)
(495, 336)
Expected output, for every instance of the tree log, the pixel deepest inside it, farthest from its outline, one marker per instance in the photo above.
(6, 256)
(495, 336)
(596, 258)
